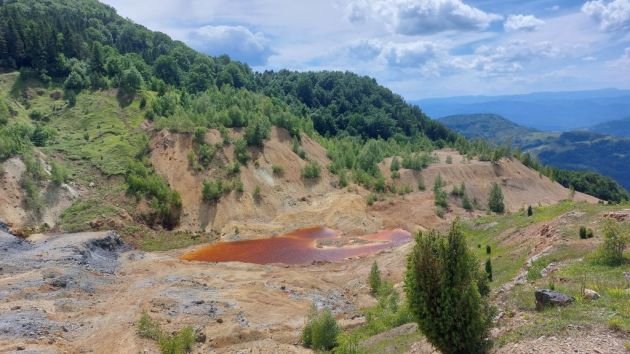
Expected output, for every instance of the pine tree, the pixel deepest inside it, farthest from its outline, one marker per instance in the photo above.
(495, 200)
(489, 269)
(447, 293)
(374, 279)
(530, 212)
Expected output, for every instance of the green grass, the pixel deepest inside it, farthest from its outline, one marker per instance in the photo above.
(506, 262)
(78, 216)
(580, 269)
(177, 343)
(395, 345)
(157, 241)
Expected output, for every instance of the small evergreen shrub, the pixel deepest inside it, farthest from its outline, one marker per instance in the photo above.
(495, 200)
(277, 170)
(374, 280)
(312, 170)
(320, 331)
(615, 240)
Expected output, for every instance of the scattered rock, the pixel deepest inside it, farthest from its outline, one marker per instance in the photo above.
(20, 348)
(200, 336)
(591, 294)
(219, 320)
(546, 297)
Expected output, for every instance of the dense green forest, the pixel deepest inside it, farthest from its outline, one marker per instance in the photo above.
(84, 46)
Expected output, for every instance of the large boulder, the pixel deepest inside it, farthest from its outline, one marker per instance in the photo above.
(547, 297)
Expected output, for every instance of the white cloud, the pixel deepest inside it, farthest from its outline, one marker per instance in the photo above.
(623, 63)
(522, 23)
(554, 8)
(415, 17)
(508, 58)
(611, 16)
(397, 54)
(365, 50)
(237, 41)
(413, 54)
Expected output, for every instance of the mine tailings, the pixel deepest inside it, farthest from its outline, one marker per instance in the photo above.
(297, 247)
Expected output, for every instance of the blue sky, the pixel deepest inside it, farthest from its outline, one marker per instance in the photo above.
(418, 48)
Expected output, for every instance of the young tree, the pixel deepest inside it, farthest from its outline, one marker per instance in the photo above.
(489, 269)
(495, 200)
(374, 279)
(614, 244)
(395, 165)
(530, 212)
(441, 198)
(321, 330)
(447, 293)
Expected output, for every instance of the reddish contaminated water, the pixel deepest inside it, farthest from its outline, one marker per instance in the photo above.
(297, 247)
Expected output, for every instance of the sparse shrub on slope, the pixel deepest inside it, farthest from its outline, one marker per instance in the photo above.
(312, 170)
(374, 280)
(321, 330)
(495, 200)
(167, 204)
(615, 240)
(447, 293)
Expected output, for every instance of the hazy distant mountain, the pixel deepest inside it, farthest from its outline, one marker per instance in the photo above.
(548, 111)
(579, 150)
(619, 127)
(489, 127)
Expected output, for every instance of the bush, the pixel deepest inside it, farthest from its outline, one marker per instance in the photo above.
(233, 169)
(421, 185)
(449, 159)
(321, 330)
(371, 199)
(466, 203)
(583, 232)
(59, 174)
(148, 328)
(374, 279)
(312, 170)
(530, 211)
(212, 191)
(240, 151)
(257, 131)
(199, 136)
(447, 293)
(257, 195)
(167, 204)
(395, 165)
(178, 343)
(395, 175)
(611, 251)
(441, 198)
(343, 179)
(277, 170)
(489, 269)
(495, 200)
(206, 154)
(297, 149)
(488, 249)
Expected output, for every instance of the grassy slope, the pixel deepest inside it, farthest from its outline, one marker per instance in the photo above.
(579, 268)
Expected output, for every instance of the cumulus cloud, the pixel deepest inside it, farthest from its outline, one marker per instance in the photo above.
(611, 16)
(505, 59)
(416, 17)
(401, 55)
(522, 23)
(410, 54)
(237, 41)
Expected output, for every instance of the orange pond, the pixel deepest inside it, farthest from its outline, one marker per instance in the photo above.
(296, 247)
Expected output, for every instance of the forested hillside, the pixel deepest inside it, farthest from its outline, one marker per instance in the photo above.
(72, 55)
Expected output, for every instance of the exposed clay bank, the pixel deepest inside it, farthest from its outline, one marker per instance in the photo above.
(297, 247)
